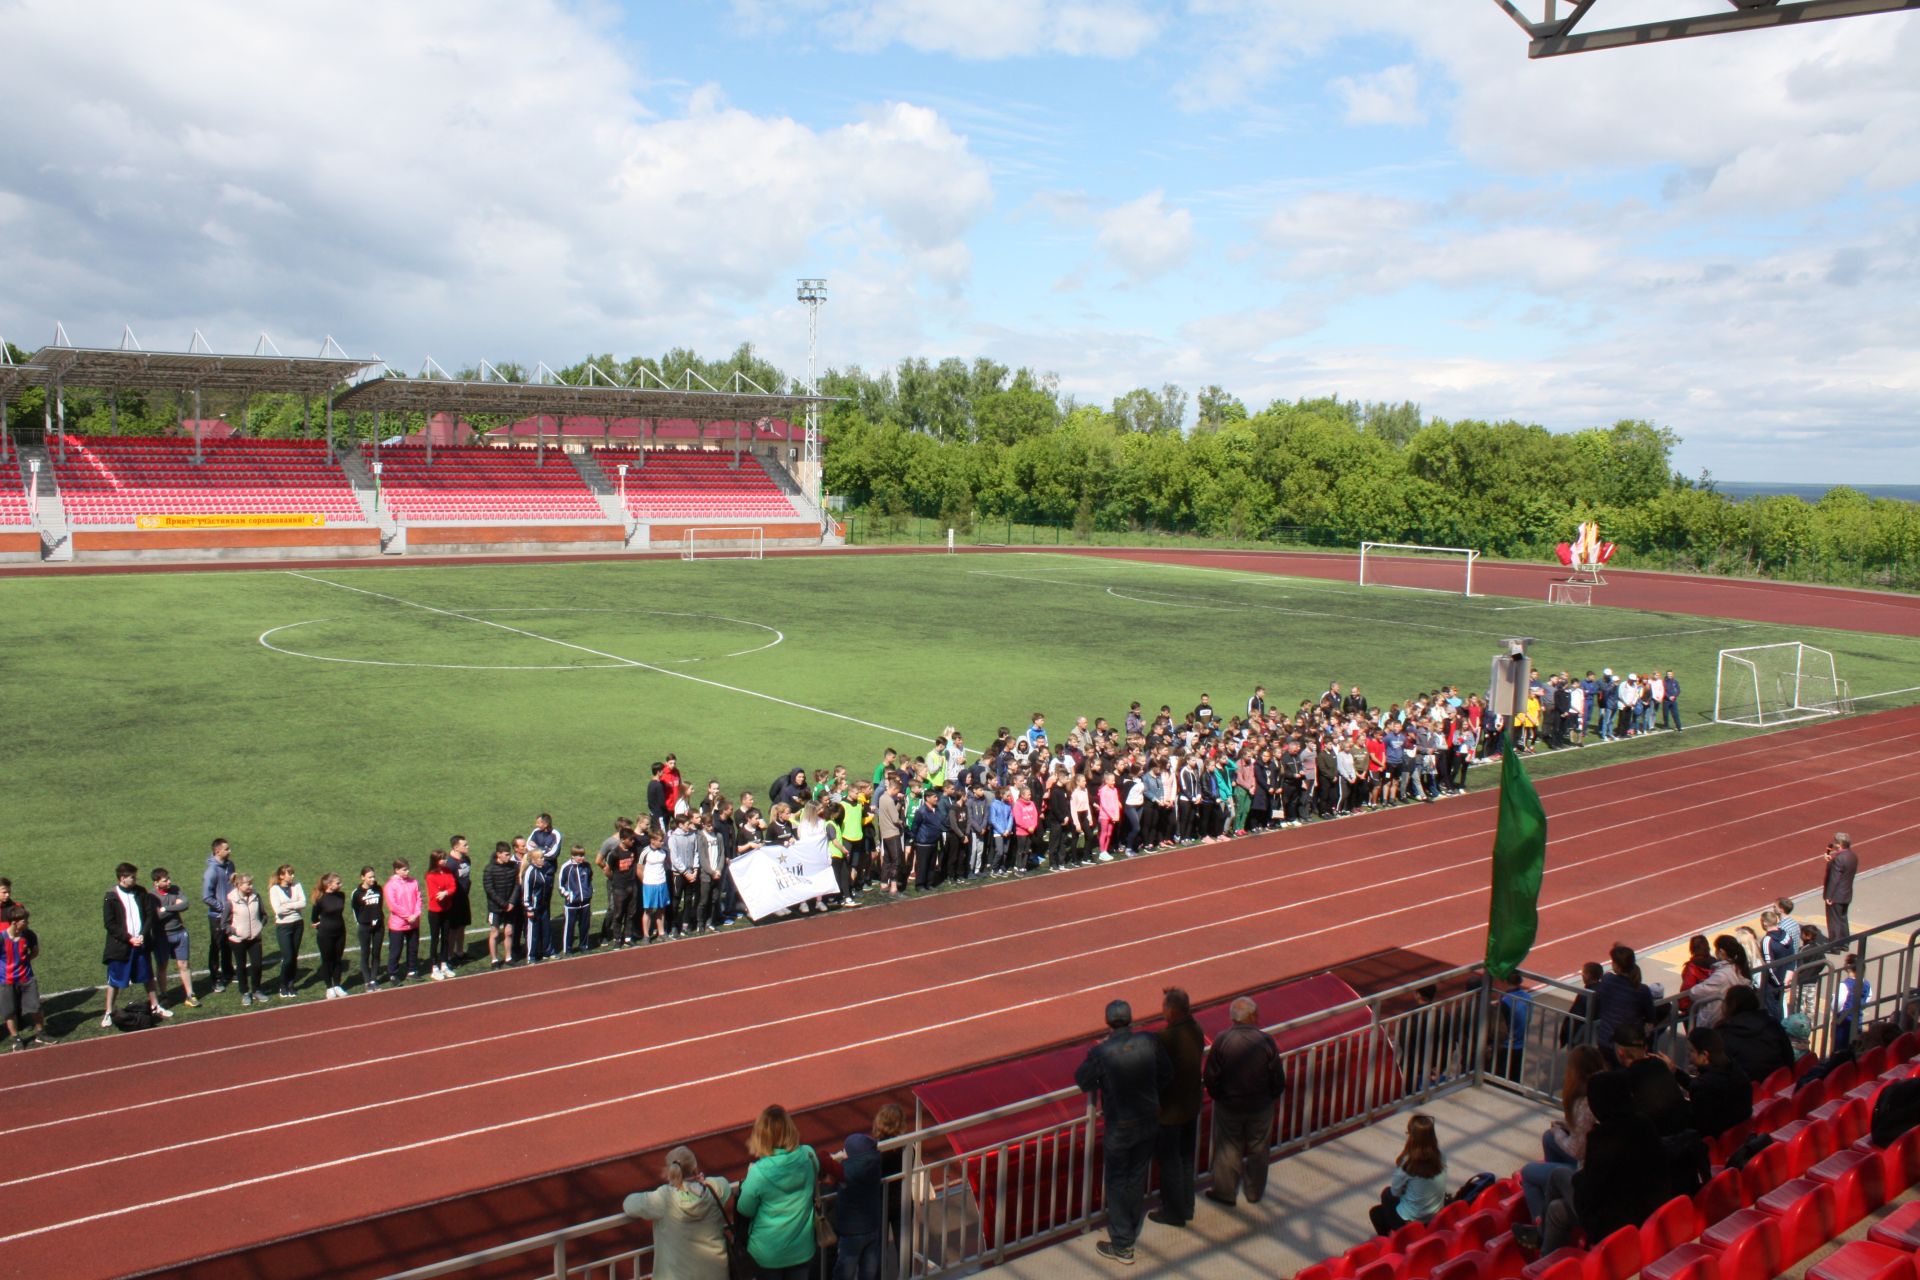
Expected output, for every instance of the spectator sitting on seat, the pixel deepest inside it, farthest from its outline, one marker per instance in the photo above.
(688, 1213)
(1564, 1144)
(1621, 999)
(1699, 964)
(1655, 1093)
(1730, 969)
(1718, 1092)
(1622, 1182)
(1418, 1188)
(1755, 1043)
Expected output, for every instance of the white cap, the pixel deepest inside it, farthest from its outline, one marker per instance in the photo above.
(1606, 671)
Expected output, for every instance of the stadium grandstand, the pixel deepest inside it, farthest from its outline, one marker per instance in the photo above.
(597, 465)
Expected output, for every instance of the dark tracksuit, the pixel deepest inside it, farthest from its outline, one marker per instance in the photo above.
(369, 914)
(576, 891)
(928, 828)
(536, 886)
(1129, 1070)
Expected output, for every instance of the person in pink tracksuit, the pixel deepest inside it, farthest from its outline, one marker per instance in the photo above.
(403, 922)
(1108, 802)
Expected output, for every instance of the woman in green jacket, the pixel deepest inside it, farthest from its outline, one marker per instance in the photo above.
(778, 1196)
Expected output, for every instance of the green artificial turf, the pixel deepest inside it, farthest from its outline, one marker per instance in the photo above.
(146, 716)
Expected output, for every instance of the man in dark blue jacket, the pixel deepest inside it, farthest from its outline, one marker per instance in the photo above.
(859, 1211)
(1128, 1070)
(576, 891)
(1670, 708)
(929, 826)
(215, 883)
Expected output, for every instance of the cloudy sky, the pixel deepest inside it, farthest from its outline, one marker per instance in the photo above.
(1286, 197)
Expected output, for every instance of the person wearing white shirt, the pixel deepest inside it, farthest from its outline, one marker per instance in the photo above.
(287, 898)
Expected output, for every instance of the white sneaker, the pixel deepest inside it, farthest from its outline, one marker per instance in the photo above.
(161, 1011)
(106, 1022)
(1105, 857)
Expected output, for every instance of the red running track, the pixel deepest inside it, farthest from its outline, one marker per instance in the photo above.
(136, 1152)
(1753, 599)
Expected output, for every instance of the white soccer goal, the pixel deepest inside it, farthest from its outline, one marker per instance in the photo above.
(736, 542)
(1570, 592)
(1417, 567)
(1768, 684)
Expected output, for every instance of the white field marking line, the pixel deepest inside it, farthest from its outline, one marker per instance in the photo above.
(1759, 745)
(778, 636)
(1107, 984)
(1324, 586)
(598, 653)
(227, 1086)
(1885, 693)
(1662, 635)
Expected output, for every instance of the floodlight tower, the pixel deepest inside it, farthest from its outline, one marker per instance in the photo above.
(813, 295)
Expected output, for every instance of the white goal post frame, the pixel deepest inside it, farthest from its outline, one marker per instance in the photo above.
(1802, 680)
(1472, 557)
(746, 542)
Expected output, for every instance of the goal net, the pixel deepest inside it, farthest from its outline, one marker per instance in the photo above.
(739, 542)
(1769, 684)
(1417, 567)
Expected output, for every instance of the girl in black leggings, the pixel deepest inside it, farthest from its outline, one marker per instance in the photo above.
(369, 914)
(330, 931)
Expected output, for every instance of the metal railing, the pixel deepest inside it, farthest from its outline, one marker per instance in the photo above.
(960, 1201)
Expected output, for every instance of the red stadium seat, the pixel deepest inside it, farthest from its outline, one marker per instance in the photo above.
(1450, 1216)
(1574, 1268)
(1864, 1260)
(1767, 1170)
(1806, 1222)
(1318, 1271)
(1672, 1224)
(1722, 1234)
(1871, 1063)
(1358, 1256)
(1618, 1256)
(1899, 1229)
(1554, 1261)
(1904, 1047)
(1774, 1083)
(1505, 1259)
(1809, 1147)
(1901, 1162)
(1470, 1265)
(1688, 1262)
(1425, 1254)
(1384, 1267)
(1476, 1229)
(1720, 1197)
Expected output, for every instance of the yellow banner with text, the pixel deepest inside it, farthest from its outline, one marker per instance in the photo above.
(249, 521)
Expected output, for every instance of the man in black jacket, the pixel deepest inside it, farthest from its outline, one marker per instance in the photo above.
(1718, 1092)
(1244, 1077)
(1129, 1071)
(501, 883)
(1842, 865)
(132, 919)
(1179, 1109)
(1757, 1044)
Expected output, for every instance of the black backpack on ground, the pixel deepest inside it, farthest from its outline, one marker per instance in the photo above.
(1748, 1150)
(135, 1017)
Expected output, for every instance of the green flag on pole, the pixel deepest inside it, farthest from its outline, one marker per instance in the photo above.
(1519, 860)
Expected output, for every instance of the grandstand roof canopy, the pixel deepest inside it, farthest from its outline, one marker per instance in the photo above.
(111, 368)
(555, 399)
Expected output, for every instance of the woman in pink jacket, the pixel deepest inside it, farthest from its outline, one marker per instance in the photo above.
(1026, 819)
(403, 922)
(1108, 803)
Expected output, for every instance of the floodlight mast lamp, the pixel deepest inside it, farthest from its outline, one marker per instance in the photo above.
(812, 294)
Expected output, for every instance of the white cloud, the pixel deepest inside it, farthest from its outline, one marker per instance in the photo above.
(1146, 237)
(1388, 96)
(982, 29)
(500, 184)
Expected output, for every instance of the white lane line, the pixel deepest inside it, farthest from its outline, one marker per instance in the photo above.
(1758, 745)
(614, 657)
(1662, 635)
(1886, 693)
(1050, 963)
(227, 1086)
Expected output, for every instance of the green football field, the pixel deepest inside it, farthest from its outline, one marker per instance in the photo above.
(332, 718)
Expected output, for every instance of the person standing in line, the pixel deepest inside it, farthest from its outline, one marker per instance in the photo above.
(130, 918)
(683, 874)
(288, 899)
(369, 915)
(929, 827)
(501, 883)
(460, 906)
(246, 922)
(442, 885)
(1179, 1134)
(1670, 708)
(623, 891)
(174, 942)
(19, 989)
(1128, 1071)
(889, 821)
(330, 932)
(576, 893)
(518, 916)
(544, 838)
(215, 884)
(655, 895)
(1842, 865)
(778, 1195)
(536, 891)
(1244, 1077)
(402, 893)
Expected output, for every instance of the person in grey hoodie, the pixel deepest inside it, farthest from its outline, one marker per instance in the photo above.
(215, 884)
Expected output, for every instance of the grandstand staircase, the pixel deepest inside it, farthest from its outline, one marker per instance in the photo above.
(802, 502)
(49, 513)
(393, 534)
(604, 491)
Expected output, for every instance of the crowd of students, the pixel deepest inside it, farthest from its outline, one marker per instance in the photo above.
(1032, 801)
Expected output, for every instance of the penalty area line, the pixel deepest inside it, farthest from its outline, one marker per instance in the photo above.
(613, 657)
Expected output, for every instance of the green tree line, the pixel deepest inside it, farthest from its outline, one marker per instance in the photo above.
(960, 442)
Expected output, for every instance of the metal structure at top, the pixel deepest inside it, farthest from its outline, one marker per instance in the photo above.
(1556, 32)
